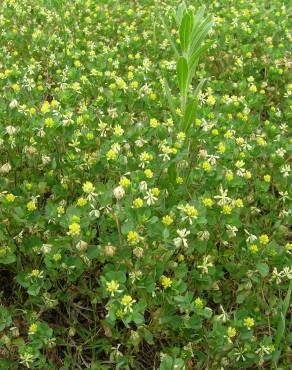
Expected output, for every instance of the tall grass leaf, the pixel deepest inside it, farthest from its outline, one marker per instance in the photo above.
(200, 34)
(169, 98)
(185, 31)
(180, 13)
(182, 74)
(188, 116)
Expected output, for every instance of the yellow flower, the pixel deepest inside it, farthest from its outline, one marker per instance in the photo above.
(16, 87)
(261, 141)
(206, 166)
(166, 282)
(267, 178)
(208, 202)
(229, 176)
(167, 220)
(45, 107)
(49, 122)
(31, 206)
(57, 257)
(60, 210)
(118, 131)
(137, 203)
(179, 180)
(133, 237)
(134, 84)
(199, 303)
(191, 211)
(154, 123)
(180, 258)
(74, 229)
(36, 273)
(88, 187)
(121, 83)
(221, 148)
(127, 301)
(124, 182)
(120, 314)
(181, 136)
(155, 191)
(111, 154)
(215, 132)
(226, 209)
(248, 322)
(148, 173)
(81, 202)
(239, 203)
(32, 329)
(231, 332)
(253, 248)
(247, 174)
(253, 88)
(112, 287)
(211, 100)
(10, 197)
(264, 239)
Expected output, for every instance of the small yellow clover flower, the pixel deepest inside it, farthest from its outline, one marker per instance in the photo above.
(166, 282)
(248, 322)
(88, 187)
(74, 229)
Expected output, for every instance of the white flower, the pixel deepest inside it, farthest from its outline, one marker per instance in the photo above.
(285, 170)
(205, 265)
(143, 185)
(223, 199)
(231, 231)
(150, 198)
(10, 130)
(212, 159)
(203, 235)
(13, 104)
(251, 238)
(119, 192)
(5, 168)
(182, 238)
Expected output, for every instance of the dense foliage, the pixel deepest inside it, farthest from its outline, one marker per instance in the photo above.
(138, 231)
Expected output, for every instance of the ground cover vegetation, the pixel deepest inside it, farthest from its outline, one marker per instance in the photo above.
(145, 162)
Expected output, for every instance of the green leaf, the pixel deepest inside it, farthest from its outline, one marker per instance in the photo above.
(185, 31)
(263, 269)
(180, 13)
(188, 116)
(199, 34)
(182, 74)
(169, 98)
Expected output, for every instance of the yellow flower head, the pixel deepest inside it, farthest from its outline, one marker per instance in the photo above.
(10, 197)
(166, 282)
(248, 322)
(133, 237)
(125, 182)
(264, 239)
(137, 203)
(167, 220)
(31, 206)
(74, 229)
(88, 187)
(112, 287)
(231, 332)
(208, 202)
(32, 329)
(226, 209)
